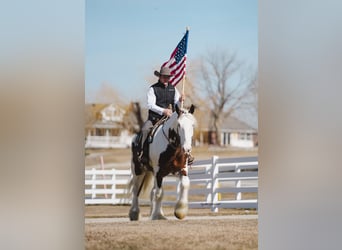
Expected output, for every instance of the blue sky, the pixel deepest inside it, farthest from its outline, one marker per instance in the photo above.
(127, 40)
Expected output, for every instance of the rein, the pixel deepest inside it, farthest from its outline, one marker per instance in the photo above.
(166, 136)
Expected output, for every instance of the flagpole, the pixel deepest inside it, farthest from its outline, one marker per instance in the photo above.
(183, 79)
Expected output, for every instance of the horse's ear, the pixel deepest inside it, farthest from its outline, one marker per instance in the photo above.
(178, 110)
(192, 109)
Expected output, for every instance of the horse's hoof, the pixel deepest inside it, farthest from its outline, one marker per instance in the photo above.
(181, 211)
(134, 215)
(158, 217)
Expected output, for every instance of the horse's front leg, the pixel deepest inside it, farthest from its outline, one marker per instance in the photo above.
(181, 209)
(156, 199)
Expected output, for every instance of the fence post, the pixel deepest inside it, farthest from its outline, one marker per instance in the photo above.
(208, 170)
(238, 182)
(93, 186)
(113, 186)
(214, 184)
(103, 176)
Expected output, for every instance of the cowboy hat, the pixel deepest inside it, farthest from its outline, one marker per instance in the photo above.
(164, 71)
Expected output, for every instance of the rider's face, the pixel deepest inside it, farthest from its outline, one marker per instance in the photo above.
(164, 79)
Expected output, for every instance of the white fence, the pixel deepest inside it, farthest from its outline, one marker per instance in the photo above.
(215, 183)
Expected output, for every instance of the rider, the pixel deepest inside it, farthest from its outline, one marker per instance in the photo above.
(159, 98)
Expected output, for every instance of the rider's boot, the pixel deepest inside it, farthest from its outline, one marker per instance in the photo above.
(136, 150)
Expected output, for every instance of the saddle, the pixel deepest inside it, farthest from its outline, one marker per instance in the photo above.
(154, 129)
(141, 157)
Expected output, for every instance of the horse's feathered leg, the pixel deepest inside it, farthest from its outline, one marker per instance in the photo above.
(181, 209)
(137, 183)
(156, 199)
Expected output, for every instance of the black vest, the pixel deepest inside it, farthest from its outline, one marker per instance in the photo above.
(164, 97)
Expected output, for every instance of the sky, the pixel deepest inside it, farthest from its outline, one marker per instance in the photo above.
(127, 40)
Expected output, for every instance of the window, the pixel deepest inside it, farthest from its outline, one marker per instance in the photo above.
(245, 136)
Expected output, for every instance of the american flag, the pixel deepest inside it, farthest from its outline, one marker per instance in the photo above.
(177, 61)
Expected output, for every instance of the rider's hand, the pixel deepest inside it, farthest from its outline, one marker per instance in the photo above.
(182, 98)
(167, 112)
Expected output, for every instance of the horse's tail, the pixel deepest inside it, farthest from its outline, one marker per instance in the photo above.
(145, 182)
(130, 184)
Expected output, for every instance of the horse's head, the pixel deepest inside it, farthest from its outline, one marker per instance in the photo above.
(185, 127)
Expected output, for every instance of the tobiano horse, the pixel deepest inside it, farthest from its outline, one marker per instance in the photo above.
(168, 154)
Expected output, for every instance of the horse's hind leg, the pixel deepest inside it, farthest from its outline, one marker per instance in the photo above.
(137, 182)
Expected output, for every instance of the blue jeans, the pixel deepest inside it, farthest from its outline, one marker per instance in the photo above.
(145, 130)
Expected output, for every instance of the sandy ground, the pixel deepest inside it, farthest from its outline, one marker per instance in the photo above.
(173, 234)
(222, 230)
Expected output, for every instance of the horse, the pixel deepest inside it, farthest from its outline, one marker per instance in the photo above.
(168, 154)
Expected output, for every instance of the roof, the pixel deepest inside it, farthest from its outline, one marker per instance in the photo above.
(228, 124)
(232, 123)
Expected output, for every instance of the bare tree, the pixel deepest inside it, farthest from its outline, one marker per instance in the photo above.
(226, 86)
(108, 94)
(249, 104)
(133, 120)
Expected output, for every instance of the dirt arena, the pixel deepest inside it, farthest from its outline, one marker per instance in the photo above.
(227, 229)
(207, 234)
(201, 229)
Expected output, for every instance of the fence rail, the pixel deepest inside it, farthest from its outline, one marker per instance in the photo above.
(108, 141)
(214, 183)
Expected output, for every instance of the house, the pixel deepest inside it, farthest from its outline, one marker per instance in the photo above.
(105, 127)
(110, 126)
(233, 132)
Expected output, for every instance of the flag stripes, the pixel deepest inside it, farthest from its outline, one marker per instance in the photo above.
(177, 61)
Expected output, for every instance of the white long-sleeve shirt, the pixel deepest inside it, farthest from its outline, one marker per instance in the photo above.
(151, 101)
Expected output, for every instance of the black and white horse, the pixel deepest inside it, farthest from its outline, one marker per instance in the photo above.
(168, 153)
